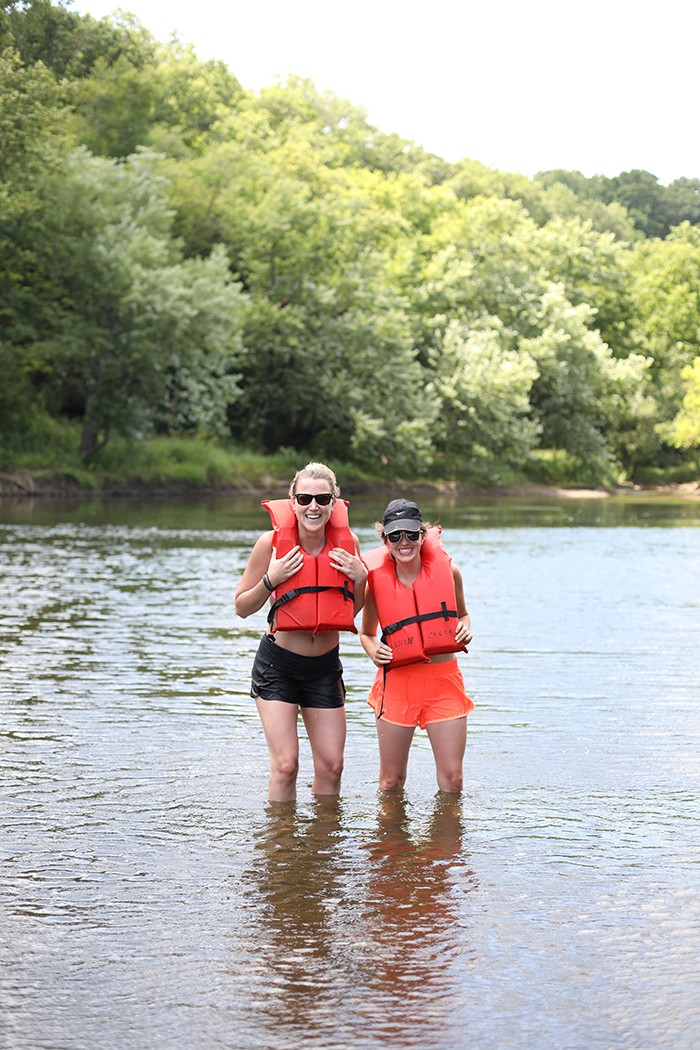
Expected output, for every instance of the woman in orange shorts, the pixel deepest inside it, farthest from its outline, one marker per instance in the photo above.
(415, 597)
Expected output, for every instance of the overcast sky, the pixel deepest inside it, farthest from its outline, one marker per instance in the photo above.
(601, 87)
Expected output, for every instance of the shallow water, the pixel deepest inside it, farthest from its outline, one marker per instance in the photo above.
(152, 898)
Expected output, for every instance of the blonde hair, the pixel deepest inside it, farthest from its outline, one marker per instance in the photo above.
(320, 472)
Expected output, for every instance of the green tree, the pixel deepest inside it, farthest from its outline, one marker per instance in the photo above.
(336, 130)
(593, 405)
(192, 97)
(482, 381)
(115, 107)
(31, 127)
(141, 336)
(70, 44)
(592, 269)
(643, 197)
(32, 141)
(480, 259)
(655, 209)
(560, 201)
(683, 202)
(684, 431)
(313, 246)
(665, 290)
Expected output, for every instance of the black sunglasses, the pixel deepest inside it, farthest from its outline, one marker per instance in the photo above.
(411, 536)
(304, 498)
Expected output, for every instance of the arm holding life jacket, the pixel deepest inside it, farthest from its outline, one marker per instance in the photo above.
(380, 653)
(254, 590)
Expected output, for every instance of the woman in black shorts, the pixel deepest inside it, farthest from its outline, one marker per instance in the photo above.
(308, 567)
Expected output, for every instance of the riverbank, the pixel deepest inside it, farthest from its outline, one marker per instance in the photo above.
(56, 485)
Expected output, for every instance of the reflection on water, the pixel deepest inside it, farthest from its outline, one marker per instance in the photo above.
(360, 938)
(419, 941)
(297, 885)
(152, 898)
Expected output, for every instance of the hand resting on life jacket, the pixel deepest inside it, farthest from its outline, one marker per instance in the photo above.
(384, 654)
(349, 564)
(282, 569)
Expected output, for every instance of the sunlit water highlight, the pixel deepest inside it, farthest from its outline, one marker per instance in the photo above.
(152, 898)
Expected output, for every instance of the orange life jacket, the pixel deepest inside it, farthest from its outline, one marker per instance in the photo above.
(419, 621)
(318, 597)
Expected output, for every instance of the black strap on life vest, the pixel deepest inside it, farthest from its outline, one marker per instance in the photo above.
(443, 613)
(289, 596)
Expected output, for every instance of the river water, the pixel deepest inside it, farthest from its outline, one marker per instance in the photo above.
(153, 899)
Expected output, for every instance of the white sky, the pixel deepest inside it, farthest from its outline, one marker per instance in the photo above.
(599, 87)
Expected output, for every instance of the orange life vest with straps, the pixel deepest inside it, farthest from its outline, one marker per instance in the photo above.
(419, 621)
(317, 597)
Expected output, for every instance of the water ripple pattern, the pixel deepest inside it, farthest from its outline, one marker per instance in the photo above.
(152, 899)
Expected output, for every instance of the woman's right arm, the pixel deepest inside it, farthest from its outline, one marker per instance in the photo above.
(251, 593)
(378, 651)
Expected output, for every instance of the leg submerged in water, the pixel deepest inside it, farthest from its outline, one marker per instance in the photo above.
(394, 746)
(279, 721)
(326, 729)
(448, 741)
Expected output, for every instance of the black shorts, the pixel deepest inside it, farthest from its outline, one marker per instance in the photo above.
(309, 681)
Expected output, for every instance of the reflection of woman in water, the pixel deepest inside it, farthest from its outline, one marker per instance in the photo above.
(410, 872)
(355, 927)
(413, 917)
(296, 884)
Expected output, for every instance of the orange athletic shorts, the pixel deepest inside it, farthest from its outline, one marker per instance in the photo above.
(418, 694)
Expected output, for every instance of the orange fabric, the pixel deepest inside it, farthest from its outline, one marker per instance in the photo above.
(419, 694)
(327, 610)
(432, 591)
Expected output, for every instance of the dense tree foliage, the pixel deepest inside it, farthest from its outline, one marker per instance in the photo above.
(181, 256)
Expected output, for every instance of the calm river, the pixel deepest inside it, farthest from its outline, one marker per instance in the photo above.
(152, 898)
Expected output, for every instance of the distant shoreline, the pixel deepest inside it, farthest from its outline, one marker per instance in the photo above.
(18, 484)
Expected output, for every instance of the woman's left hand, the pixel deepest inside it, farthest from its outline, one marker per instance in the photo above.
(349, 564)
(463, 635)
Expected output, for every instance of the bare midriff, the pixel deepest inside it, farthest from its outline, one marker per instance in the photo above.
(305, 643)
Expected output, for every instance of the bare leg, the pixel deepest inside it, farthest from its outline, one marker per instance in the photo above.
(326, 731)
(279, 721)
(394, 746)
(448, 741)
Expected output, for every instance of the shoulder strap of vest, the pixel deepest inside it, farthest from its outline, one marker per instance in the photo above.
(374, 558)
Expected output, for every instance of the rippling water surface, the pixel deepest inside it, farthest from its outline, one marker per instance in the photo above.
(152, 898)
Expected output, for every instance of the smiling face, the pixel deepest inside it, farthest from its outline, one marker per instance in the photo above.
(313, 518)
(405, 551)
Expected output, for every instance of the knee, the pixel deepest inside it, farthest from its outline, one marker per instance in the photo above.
(391, 781)
(286, 767)
(332, 767)
(451, 780)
